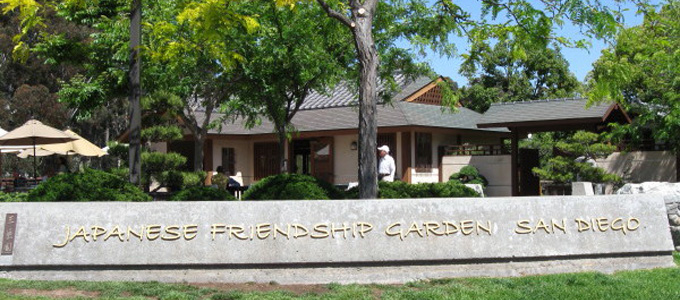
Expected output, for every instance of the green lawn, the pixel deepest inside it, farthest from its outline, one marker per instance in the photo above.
(645, 284)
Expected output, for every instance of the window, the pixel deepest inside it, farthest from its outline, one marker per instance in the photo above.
(229, 160)
(266, 160)
(423, 150)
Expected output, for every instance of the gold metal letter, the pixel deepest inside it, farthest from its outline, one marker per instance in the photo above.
(81, 233)
(130, 232)
(431, 227)
(637, 224)
(583, 225)
(364, 228)
(153, 232)
(620, 227)
(523, 224)
(97, 231)
(173, 233)
(190, 231)
(541, 224)
(115, 231)
(559, 226)
(602, 224)
(322, 229)
(487, 229)
(451, 228)
(263, 230)
(217, 228)
(389, 232)
(68, 234)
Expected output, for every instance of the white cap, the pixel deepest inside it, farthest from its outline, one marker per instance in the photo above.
(384, 148)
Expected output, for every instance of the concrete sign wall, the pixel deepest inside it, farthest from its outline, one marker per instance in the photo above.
(331, 233)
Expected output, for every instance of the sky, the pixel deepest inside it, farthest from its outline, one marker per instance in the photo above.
(580, 60)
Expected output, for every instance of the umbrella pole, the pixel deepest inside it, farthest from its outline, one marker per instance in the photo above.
(35, 160)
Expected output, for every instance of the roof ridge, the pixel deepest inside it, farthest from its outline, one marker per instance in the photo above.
(539, 101)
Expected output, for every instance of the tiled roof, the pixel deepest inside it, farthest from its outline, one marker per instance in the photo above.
(542, 110)
(344, 94)
(391, 115)
(338, 111)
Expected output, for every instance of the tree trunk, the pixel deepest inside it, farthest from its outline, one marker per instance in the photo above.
(199, 142)
(368, 125)
(281, 132)
(135, 152)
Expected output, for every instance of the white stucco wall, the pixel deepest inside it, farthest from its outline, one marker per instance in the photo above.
(496, 169)
(345, 161)
(641, 166)
(243, 155)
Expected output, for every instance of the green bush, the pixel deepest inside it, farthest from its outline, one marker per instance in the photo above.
(13, 197)
(89, 185)
(122, 173)
(178, 180)
(469, 174)
(221, 181)
(401, 190)
(202, 194)
(292, 187)
(156, 167)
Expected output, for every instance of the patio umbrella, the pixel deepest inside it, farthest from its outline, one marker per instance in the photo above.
(33, 132)
(40, 151)
(78, 146)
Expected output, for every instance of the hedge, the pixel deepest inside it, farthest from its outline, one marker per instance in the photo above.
(89, 185)
(292, 187)
(202, 193)
(401, 190)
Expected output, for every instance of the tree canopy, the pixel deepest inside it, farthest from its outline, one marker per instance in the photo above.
(495, 75)
(641, 72)
(296, 51)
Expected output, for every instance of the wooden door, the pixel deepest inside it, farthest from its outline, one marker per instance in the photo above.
(322, 159)
(529, 183)
(266, 158)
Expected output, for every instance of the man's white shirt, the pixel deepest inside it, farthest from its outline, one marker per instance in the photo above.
(387, 166)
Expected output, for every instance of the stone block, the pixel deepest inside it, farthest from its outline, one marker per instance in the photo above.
(115, 236)
(582, 188)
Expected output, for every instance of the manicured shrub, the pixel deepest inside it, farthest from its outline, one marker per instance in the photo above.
(221, 181)
(202, 193)
(401, 190)
(178, 180)
(13, 197)
(122, 173)
(469, 174)
(292, 187)
(89, 185)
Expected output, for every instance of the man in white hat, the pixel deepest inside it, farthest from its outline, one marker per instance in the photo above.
(386, 166)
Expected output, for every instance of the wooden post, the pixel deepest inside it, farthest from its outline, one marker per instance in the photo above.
(135, 153)
(514, 153)
(677, 166)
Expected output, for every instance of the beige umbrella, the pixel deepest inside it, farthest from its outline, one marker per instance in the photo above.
(78, 146)
(40, 151)
(33, 132)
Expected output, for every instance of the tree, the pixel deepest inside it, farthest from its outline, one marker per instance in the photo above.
(195, 47)
(576, 162)
(295, 51)
(495, 75)
(641, 73)
(28, 87)
(520, 23)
